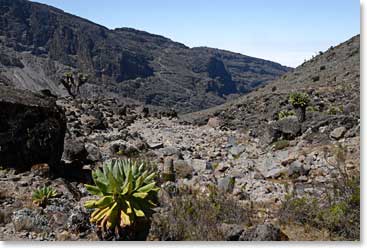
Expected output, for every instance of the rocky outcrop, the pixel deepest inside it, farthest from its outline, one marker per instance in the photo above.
(32, 129)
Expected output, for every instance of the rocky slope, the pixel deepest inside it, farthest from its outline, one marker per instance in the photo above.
(332, 79)
(232, 160)
(39, 43)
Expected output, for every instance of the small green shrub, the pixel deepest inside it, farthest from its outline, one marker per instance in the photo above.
(312, 109)
(299, 100)
(302, 210)
(280, 144)
(285, 113)
(127, 195)
(333, 110)
(120, 152)
(41, 196)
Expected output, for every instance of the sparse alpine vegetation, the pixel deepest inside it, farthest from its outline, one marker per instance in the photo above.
(300, 102)
(41, 196)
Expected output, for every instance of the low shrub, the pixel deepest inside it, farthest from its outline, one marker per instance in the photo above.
(333, 110)
(285, 113)
(338, 210)
(312, 109)
(196, 216)
(341, 217)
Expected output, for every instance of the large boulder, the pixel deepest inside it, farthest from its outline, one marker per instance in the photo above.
(262, 232)
(32, 129)
(287, 128)
(75, 152)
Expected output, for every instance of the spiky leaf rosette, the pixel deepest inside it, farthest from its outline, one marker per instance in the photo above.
(299, 100)
(41, 196)
(126, 191)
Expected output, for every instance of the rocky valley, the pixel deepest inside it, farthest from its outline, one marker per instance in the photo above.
(281, 162)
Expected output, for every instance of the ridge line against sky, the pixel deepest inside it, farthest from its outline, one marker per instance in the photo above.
(284, 31)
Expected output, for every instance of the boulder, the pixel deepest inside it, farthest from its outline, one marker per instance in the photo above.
(98, 121)
(214, 122)
(170, 151)
(232, 232)
(143, 111)
(338, 133)
(183, 169)
(237, 150)
(94, 153)
(156, 145)
(262, 232)
(297, 168)
(74, 151)
(200, 165)
(32, 129)
(287, 128)
(29, 220)
(226, 184)
(276, 172)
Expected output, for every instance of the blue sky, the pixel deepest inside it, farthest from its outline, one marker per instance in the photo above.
(285, 31)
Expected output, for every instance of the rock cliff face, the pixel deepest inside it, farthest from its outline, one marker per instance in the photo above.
(39, 43)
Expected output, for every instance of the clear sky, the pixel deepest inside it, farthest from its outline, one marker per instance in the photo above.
(285, 31)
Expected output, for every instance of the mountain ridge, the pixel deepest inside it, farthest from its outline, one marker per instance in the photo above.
(324, 77)
(43, 42)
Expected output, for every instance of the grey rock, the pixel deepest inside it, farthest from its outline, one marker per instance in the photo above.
(157, 145)
(214, 122)
(226, 184)
(338, 133)
(200, 165)
(131, 59)
(276, 172)
(30, 220)
(237, 150)
(287, 128)
(94, 153)
(232, 232)
(183, 169)
(130, 150)
(232, 140)
(75, 152)
(116, 147)
(78, 220)
(262, 232)
(295, 168)
(170, 151)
